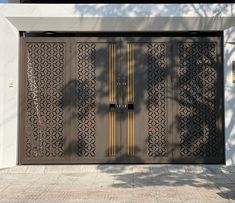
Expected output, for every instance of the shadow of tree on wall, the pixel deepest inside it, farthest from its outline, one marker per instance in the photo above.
(135, 10)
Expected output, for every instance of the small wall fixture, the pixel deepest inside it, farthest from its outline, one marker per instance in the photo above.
(233, 64)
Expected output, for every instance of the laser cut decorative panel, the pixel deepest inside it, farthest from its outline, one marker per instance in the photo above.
(157, 101)
(44, 115)
(86, 99)
(68, 84)
(196, 95)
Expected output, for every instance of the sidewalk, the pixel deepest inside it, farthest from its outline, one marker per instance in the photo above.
(118, 183)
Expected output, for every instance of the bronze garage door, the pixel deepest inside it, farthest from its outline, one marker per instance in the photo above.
(121, 100)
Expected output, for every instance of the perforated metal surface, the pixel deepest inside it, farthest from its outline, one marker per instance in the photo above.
(122, 100)
(197, 81)
(44, 124)
(157, 100)
(86, 98)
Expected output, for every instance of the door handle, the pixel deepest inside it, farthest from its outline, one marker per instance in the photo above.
(131, 107)
(112, 107)
(117, 107)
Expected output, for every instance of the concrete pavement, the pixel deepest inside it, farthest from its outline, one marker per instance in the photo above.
(118, 183)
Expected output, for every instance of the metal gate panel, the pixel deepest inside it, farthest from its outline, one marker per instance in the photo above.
(198, 91)
(94, 133)
(146, 127)
(43, 127)
(69, 87)
(157, 100)
(122, 100)
(177, 114)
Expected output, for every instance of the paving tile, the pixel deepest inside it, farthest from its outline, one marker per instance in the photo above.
(196, 169)
(190, 195)
(159, 169)
(213, 169)
(117, 183)
(231, 177)
(219, 178)
(18, 169)
(141, 169)
(179, 169)
(36, 169)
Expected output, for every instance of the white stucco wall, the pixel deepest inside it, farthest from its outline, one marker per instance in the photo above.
(229, 56)
(1, 89)
(114, 17)
(9, 96)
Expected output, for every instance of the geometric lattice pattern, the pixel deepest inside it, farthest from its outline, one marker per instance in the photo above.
(44, 116)
(157, 101)
(86, 99)
(196, 94)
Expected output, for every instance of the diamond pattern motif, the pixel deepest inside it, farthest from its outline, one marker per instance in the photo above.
(44, 116)
(157, 101)
(86, 99)
(196, 95)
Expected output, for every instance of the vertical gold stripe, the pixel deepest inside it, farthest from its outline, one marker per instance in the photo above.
(112, 72)
(133, 72)
(112, 136)
(128, 67)
(130, 73)
(129, 145)
(131, 133)
(113, 95)
(109, 133)
(109, 74)
(127, 134)
(133, 94)
(115, 71)
(115, 134)
(133, 127)
(112, 99)
(110, 127)
(130, 88)
(128, 98)
(114, 91)
(112, 133)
